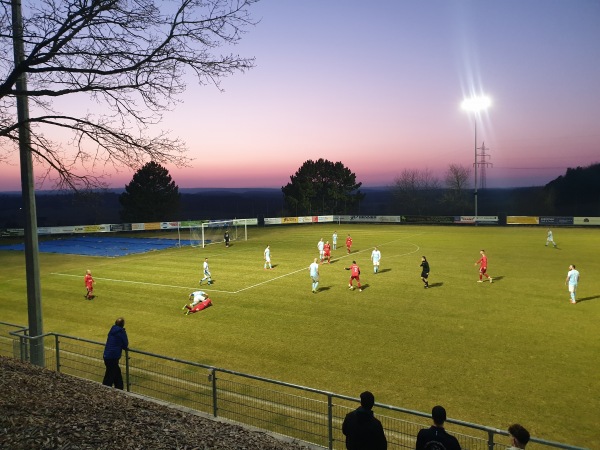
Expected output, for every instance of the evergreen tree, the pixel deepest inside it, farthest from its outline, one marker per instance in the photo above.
(151, 195)
(322, 187)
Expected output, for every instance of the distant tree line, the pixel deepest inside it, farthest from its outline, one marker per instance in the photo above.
(413, 193)
(575, 192)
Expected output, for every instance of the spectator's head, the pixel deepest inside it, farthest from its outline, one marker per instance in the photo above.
(519, 435)
(120, 322)
(367, 400)
(438, 414)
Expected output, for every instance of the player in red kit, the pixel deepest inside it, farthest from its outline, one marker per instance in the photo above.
(198, 301)
(483, 267)
(89, 284)
(348, 243)
(354, 275)
(327, 252)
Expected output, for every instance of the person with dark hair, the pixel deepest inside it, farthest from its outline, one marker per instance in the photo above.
(349, 244)
(115, 343)
(519, 437)
(198, 301)
(206, 272)
(267, 257)
(354, 275)
(362, 430)
(327, 252)
(572, 280)
(424, 271)
(435, 437)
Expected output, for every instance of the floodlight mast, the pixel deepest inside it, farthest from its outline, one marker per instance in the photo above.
(476, 105)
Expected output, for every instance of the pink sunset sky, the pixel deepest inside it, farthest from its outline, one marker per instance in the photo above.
(378, 86)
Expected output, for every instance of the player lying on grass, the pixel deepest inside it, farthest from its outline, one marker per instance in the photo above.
(198, 301)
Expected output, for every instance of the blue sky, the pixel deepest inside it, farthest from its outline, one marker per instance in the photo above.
(378, 86)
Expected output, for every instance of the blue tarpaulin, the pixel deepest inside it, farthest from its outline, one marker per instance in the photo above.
(100, 246)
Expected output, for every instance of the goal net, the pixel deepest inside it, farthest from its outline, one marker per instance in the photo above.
(213, 232)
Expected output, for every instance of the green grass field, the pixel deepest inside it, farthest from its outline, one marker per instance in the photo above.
(512, 351)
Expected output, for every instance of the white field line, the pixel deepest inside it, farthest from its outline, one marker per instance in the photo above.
(114, 280)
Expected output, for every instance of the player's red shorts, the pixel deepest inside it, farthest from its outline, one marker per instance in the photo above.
(202, 305)
(483, 270)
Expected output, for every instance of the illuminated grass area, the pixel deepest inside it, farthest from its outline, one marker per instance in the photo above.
(494, 354)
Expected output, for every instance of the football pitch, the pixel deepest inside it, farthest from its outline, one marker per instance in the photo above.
(514, 350)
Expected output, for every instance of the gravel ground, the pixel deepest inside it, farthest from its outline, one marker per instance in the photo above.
(42, 409)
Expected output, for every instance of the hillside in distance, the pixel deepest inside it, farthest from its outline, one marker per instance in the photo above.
(60, 209)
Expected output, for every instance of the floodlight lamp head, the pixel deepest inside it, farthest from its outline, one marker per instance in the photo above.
(476, 104)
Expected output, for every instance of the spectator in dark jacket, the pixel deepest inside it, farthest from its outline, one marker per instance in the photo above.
(435, 437)
(362, 430)
(115, 343)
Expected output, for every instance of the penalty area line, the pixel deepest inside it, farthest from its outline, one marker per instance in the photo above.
(272, 279)
(144, 283)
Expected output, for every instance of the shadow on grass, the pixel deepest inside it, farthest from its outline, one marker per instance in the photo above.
(434, 285)
(384, 270)
(499, 278)
(323, 289)
(587, 299)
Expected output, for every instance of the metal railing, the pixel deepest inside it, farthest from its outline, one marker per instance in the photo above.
(298, 412)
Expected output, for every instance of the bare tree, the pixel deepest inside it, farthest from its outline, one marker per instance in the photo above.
(412, 190)
(457, 177)
(129, 58)
(457, 182)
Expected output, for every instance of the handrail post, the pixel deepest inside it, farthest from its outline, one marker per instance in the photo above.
(23, 348)
(490, 440)
(330, 419)
(57, 347)
(213, 377)
(127, 381)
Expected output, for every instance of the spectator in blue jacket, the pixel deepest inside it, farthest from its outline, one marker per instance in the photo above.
(115, 343)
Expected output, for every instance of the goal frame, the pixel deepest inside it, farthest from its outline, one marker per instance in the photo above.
(201, 232)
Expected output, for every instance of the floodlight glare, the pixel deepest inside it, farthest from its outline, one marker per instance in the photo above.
(476, 103)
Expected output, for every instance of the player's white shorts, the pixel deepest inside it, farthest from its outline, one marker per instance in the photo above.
(572, 288)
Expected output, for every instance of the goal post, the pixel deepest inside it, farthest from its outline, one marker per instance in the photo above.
(213, 232)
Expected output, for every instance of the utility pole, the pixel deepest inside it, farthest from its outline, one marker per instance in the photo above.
(483, 163)
(32, 265)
